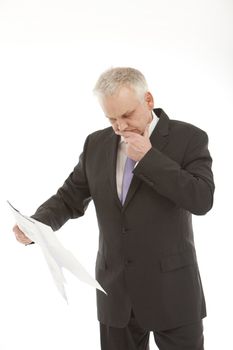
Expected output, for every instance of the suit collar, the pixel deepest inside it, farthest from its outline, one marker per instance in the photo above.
(163, 123)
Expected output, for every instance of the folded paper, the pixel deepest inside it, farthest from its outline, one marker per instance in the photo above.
(56, 255)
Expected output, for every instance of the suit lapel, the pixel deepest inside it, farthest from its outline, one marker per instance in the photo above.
(111, 148)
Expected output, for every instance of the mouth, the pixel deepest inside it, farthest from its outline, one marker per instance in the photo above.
(136, 131)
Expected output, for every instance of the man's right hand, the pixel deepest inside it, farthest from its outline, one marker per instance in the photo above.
(20, 236)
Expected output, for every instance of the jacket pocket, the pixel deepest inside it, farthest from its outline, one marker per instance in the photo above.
(177, 261)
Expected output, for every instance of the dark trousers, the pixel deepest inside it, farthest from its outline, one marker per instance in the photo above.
(133, 337)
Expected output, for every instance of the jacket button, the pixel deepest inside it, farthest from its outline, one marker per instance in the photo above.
(124, 230)
(128, 262)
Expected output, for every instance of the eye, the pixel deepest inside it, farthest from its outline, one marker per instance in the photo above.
(128, 115)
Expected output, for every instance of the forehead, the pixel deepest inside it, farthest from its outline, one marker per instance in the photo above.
(126, 99)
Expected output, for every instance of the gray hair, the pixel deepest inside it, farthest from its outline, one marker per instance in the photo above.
(113, 79)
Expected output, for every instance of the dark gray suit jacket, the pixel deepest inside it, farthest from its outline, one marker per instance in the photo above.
(146, 257)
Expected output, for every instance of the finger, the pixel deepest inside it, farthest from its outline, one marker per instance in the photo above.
(16, 229)
(20, 236)
(132, 144)
(127, 133)
(134, 137)
(23, 240)
(20, 239)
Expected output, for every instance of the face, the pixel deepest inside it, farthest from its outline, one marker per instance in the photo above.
(126, 112)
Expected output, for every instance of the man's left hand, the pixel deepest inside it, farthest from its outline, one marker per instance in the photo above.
(137, 145)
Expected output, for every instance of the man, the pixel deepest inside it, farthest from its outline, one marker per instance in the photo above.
(147, 175)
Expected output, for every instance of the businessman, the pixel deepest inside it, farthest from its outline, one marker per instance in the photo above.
(146, 174)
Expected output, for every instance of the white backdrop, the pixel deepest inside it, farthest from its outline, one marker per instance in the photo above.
(51, 54)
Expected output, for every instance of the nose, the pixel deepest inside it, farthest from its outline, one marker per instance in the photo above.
(121, 125)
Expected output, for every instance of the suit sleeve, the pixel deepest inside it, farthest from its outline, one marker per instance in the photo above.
(190, 185)
(71, 199)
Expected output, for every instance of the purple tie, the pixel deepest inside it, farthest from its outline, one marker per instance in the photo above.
(127, 177)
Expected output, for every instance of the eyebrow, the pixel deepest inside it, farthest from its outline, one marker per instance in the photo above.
(125, 114)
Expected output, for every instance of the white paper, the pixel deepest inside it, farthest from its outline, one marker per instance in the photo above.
(56, 255)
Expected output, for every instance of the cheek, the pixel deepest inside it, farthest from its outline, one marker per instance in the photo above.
(135, 126)
(115, 126)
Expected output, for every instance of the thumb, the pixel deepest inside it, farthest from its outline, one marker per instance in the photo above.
(146, 132)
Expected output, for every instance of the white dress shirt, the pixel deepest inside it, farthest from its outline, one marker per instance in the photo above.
(121, 155)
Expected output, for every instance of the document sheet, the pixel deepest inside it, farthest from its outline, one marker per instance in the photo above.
(56, 255)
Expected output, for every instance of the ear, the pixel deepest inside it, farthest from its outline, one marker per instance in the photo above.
(149, 100)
